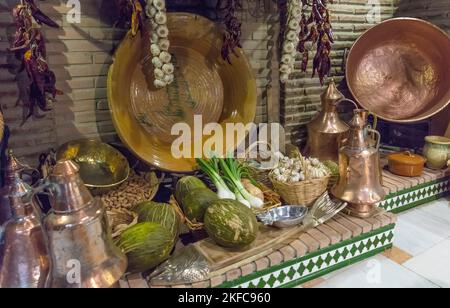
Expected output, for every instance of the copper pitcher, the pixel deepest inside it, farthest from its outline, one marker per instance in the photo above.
(80, 242)
(326, 131)
(24, 259)
(360, 182)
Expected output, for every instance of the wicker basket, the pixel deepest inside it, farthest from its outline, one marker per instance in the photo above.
(301, 193)
(260, 175)
(272, 200)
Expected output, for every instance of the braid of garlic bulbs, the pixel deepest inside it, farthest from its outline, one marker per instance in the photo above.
(291, 39)
(161, 58)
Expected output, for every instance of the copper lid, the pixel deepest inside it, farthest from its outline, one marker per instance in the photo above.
(70, 193)
(407, 158)
(64, 168)
(332, 93)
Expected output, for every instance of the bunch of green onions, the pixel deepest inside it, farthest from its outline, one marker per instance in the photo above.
(226, 174)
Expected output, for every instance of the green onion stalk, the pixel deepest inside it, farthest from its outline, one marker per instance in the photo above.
(211, 168)
(232, 172)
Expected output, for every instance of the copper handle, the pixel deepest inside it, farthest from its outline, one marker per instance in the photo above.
(377, 133)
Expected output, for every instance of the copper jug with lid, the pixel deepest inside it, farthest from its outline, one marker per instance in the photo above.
(24, 259)
(80, 242)
(360, 182)
(326, 131)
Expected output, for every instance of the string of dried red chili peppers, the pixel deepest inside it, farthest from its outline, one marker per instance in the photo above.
(318, 30)
(130, 14)
(232, 35)
(29, 46)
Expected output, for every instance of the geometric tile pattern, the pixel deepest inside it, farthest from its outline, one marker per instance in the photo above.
(299, 271)
(407, 199)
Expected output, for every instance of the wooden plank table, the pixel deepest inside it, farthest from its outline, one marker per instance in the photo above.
(338, 243)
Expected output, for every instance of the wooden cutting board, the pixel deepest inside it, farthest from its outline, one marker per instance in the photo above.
(268, 240)
(447, 134)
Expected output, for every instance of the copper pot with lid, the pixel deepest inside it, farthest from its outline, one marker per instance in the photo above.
(406, 164)
(398, 70)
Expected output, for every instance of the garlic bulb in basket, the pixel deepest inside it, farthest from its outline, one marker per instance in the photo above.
(291, 170)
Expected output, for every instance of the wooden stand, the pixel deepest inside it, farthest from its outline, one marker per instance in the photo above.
(340, 242)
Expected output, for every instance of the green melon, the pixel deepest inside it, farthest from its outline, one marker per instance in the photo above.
(185, 185)
(162, 213)
(196, 202)
(146, 245)
(231, 224)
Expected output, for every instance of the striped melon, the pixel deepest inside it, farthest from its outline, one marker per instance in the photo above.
(146, 246)
(196, 202)
(185, 185)
(231, 224)
(161, 213)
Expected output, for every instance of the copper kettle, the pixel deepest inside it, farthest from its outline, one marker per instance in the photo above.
(81, 246)
(24, 260)
(360, 182)
(326, 131)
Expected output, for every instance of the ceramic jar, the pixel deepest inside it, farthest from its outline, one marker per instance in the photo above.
(437, 152)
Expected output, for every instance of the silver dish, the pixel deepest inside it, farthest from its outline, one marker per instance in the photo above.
(284, 217)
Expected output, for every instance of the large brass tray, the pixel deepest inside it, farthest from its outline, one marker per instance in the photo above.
(399, 70)
(204, 85)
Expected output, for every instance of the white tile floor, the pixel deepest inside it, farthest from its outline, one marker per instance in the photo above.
(423, 233)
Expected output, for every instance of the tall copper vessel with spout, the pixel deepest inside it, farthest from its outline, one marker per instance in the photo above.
(360, 182)
(327, 130)
(81, 247)
(24, 259)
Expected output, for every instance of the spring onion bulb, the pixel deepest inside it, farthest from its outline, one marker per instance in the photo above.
(232, 172)
(211, 169)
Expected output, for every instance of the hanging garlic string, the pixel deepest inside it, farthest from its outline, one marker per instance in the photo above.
(161, 58)
(291, 39)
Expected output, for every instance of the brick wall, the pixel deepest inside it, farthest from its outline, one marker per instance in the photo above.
(80, 55)
(301, 95)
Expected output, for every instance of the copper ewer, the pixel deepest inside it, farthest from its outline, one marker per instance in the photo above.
(80, 243)
(398, 70)
(24, 259)
(326, 131)
(360, 181)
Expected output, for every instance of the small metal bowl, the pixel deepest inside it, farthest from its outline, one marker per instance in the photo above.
(284, 217)
(102, 167)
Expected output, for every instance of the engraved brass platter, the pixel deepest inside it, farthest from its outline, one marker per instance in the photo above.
(204, 85)
(102, 167)
(399, 70)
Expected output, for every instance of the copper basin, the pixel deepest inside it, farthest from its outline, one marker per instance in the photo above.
(399, 70)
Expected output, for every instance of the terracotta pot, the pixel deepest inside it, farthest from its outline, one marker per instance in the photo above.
(437, 152)
(406, 164)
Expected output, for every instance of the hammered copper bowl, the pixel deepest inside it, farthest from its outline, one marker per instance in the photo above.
(102, 167)
(399, 70)
(204, 85)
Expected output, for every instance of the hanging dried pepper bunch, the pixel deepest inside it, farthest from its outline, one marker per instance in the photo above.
(29, 47)
(317, 29)
(232, 35)
(130, 12)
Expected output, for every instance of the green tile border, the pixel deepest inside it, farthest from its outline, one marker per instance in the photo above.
(411, 194)
(337, 267)
(333, 248)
